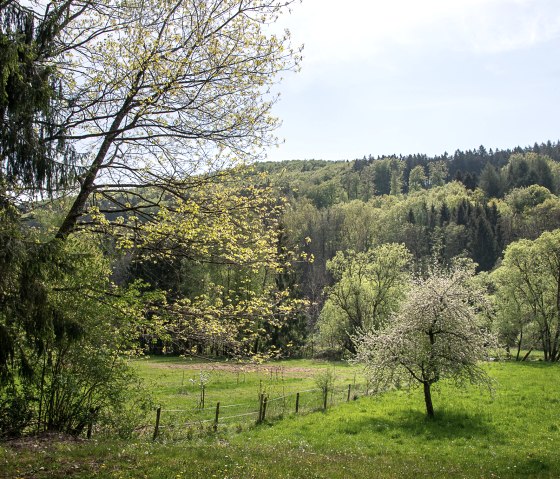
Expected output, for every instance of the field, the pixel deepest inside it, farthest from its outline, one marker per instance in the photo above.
(188, 392)
(513, 432)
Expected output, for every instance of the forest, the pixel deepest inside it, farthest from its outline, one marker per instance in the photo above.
(138, 218)
(346, 213)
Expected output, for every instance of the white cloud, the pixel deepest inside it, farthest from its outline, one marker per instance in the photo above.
(383, 76)
(364, 29)
(512, 25)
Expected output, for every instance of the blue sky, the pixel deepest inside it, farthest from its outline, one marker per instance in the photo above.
(419, 76)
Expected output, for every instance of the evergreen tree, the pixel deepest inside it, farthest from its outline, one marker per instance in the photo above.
(518, 172)
(410, 217)
(490, 182)
(483, 246)
(433, 219)
(29, 101)
(382, 177)
(444, 215)
(462, 213)
(543, 173)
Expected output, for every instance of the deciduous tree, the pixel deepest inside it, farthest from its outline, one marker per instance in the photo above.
(417, 179)
(528, 286)
(435, 335)
(368, 288)
(168, 90)
(148, 93)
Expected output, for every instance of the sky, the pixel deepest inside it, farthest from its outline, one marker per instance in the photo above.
(386, 77)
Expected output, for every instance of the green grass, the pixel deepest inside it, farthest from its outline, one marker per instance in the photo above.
(514, 433)
(175, 383)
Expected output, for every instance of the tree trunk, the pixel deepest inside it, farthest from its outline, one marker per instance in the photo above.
(428, 399)
(88, 183)
(349, 344)
(519, 344)
(527, 355)
(555, 352)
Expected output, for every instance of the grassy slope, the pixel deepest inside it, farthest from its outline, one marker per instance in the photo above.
(513, 434)
(175, 381)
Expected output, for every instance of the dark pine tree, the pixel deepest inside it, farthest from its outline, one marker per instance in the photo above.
(444, 215)
(410, 217)
(484, 247)
(490, 182)
(462, 213)
(433, 219)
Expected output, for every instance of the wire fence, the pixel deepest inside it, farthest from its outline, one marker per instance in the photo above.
(267, 407)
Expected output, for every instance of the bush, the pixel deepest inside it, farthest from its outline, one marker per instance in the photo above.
(15, 415)
(74, 331)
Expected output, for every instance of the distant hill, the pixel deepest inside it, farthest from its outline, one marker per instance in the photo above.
(331, 182)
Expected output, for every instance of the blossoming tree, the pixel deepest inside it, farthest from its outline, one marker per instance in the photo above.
(436, 334)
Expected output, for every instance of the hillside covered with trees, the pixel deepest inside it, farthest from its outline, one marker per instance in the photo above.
(472, 204)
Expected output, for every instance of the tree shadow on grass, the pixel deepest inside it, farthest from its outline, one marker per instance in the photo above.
(445, 425)
(533, 364)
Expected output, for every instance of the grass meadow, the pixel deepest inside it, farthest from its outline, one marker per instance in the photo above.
(513, 432)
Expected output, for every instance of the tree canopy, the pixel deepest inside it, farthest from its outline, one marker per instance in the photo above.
(369, 287)
(528, 293)
(135, 117)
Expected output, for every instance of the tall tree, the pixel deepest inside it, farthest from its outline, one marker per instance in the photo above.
(147, 104)
(417, 179)
(491, 181)
(368, 288)
(437, 173)
(483, 244)
(397, 169)
(382, 176)
(29, 99)
(152, 93)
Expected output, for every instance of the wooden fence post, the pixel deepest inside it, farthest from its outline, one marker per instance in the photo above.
(265, 401)
(156, 430)
(217, 416)
(297, 403)
(348, 398)
(261, 397)
(325, 397)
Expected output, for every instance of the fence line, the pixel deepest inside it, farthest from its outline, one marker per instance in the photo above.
(239, 415)
(202, 421)
(294, 402)
(234, 405)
